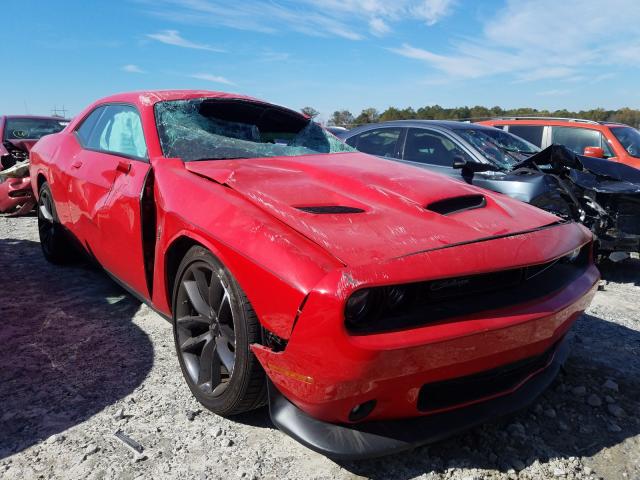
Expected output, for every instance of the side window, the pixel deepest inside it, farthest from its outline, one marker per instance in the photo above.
(428, 146)
(86, 128)
(576, 139)
(381, 141)
(119, 130)
(531, 133)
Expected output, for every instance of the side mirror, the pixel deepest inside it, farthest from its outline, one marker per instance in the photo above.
(461, 163)
(595, 152)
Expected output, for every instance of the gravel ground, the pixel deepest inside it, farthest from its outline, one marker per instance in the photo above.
(80, 359)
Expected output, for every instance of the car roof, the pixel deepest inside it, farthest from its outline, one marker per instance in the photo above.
(37, 117)
(572, 122)
(151, 97)
(446, 124)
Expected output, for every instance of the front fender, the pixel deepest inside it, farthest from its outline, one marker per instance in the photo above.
(275, 266)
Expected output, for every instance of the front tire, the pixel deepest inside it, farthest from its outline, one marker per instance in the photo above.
(213, 327)
(53, 239)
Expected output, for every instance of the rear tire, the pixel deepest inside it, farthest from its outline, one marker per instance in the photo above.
(54, 241)
(213, 327)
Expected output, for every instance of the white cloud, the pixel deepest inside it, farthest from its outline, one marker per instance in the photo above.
(432, 11)
(271, 56)
(131, 68)
(531, 40)
(378, 27)
(173, 37)
(212, 78)
(347, 19)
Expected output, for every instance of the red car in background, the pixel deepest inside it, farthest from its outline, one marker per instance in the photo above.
(18, 133)
(375, 306)
(613, 141)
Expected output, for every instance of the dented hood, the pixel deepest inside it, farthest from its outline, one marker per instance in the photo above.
(363, 209)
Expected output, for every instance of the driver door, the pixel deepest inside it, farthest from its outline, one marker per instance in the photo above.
(108, 177)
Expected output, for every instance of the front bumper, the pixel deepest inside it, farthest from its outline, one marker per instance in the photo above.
(384, 437)
(16, 193)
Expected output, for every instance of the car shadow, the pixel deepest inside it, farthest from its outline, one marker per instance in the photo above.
(627, 271)
(560, 423)
(68, 347)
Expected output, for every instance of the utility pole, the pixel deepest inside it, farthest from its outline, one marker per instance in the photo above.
(59, 112)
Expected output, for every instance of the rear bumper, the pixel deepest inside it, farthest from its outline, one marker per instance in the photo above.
(378, 438)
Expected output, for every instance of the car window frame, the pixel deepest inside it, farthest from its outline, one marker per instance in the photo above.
(144, 159)
(396, 148)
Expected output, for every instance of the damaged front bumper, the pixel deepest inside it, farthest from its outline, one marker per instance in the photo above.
(16, 193)
(352, 394)
(378, 438)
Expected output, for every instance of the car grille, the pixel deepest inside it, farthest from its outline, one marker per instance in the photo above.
(629, 217)
(472, 388)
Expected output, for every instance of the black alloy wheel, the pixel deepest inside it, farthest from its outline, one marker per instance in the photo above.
(214, 327)
(205, 328)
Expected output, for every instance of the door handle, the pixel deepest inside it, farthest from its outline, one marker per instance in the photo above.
(76, 164)
(123, 166)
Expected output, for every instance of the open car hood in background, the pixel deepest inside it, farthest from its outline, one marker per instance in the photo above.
(605, 176)
(363, 209)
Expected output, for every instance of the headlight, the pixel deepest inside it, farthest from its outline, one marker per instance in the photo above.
(358, 306)
(396, 296)
(366, 306)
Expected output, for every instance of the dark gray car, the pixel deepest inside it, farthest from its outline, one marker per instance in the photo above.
(571, 186)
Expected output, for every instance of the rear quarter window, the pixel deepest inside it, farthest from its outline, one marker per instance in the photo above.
(531, 133)
(381, 142)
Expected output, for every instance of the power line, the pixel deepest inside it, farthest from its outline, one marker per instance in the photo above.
(59, 112)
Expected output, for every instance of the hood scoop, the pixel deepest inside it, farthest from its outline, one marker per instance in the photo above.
(328, 209)
(453, 205)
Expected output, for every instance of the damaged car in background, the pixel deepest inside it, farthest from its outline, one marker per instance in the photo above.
(375, 307)
(603, 195)
(19, 134)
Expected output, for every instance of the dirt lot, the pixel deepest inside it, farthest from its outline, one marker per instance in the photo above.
(80, 359)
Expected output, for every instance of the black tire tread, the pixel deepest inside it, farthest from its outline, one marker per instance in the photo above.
(62, 252)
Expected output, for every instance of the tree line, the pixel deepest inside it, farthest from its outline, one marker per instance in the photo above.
(344, 118)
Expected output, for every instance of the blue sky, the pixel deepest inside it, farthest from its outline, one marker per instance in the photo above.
(329, 54)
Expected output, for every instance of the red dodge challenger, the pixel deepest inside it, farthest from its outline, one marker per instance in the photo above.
(373, 305)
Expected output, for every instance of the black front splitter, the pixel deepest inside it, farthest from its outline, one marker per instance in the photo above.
(379, 438)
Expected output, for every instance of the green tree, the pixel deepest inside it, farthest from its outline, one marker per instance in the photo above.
(310, 112)
(368, 115)
(342, 118)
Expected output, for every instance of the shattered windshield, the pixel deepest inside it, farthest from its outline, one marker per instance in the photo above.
(214, 129)
(32, 128)
(629, 138)
(502, 148)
